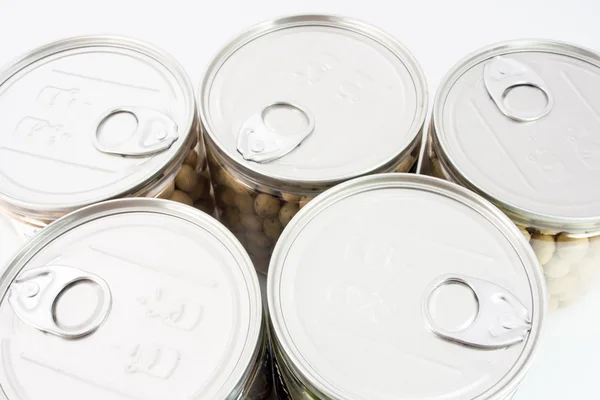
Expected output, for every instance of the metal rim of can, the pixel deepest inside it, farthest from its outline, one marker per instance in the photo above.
(520, 215)
(281, 337)
(274, 181)
(48, 213)
(256, 331)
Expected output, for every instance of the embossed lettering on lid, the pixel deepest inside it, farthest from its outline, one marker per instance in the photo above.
(360, 300)
(520, 122)
(58, 152)
(136, 299)
(362, 90)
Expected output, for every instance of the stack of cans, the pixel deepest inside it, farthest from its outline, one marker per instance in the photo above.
(137, 218)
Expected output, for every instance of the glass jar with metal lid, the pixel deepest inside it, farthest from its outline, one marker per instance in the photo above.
(296, 105)
(133, 298)
(401, 286)
(519, 123)
(94, 118)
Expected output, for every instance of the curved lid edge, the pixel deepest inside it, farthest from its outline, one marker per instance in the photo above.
(416, 182)
(24, 60)
(296, 20)
(436, 129)
(252, 345)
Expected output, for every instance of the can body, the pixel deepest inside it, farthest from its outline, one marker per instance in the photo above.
(314, 124)
(543, 155)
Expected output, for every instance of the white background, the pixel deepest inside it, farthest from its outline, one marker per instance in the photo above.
(439, 33)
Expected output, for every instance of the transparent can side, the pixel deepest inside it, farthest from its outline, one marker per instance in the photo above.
(257, 214)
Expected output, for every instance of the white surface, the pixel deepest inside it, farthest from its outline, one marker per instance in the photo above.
(438, 33)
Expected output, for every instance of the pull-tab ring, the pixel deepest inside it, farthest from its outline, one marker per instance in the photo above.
(155, 132)
(35, 293)
(501, 320)
(257, 142)
(502, 74)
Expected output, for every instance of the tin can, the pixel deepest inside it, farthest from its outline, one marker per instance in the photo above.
(517, 122)
(89, 119)
(296, 105)
(133, 298)
(407, 287)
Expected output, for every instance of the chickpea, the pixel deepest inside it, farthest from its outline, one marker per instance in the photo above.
(525, 233)
(556, 267)
(245, 203)
(287, 212)
(272, 228)
(186, 178)
(181, 197)
(251, 222)
(543, 246)
(232, 217)
(291, 198)
(168, 191)
(191, 159)
(266, 205)
(225, 196)
(304, 201)
(406, 164)
(570, 248)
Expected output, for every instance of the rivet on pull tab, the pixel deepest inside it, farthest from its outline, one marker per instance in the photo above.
(257, 142)
(155, 132)
(501, 320)
(35, 293)
(503, 74)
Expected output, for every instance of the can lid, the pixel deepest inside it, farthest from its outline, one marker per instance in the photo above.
(89, 119)
(406, 287)
(313, 99)
(519, 123)
(133, 298)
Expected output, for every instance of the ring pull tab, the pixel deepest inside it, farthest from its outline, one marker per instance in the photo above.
(35, 293)
(155, 132)
(501, 319)
(503, 74)
(257, 142)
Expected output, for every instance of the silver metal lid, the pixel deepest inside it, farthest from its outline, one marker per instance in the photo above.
(134, 298)
(89, 119)
(406, 287)
(519, 122)
(313, 99)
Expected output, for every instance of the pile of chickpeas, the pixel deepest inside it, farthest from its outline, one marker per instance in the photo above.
(191, 185)
(571, 263)
(256, 217)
